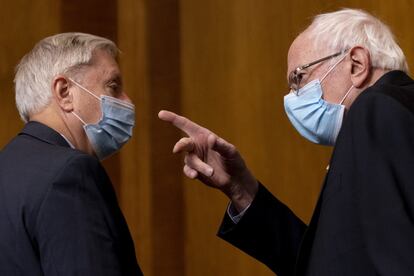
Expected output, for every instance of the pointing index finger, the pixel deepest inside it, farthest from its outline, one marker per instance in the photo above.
(180, 122)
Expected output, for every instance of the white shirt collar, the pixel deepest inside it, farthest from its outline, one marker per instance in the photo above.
(67, 140)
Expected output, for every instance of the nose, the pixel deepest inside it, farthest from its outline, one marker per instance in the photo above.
(124, 97)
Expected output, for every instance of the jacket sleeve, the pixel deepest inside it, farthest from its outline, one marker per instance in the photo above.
(268, 231)
(80, 229)
(383, 138)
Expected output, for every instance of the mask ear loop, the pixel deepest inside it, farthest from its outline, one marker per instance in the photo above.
(333, 67)
(80, 119)
(84, 88)
(346, 94)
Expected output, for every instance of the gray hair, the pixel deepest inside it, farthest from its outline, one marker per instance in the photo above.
(64, 53)
(347, 28)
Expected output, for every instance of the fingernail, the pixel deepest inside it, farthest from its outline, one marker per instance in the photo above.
(210, 172)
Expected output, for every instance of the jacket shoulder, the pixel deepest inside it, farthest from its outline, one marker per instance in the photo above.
(28, 170)
(395, 89)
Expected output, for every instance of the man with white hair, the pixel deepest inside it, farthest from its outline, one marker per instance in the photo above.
(58, 210)
(349, 88)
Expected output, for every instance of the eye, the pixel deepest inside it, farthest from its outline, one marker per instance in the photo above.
(114, 86)
(295, 79)
(299, 76)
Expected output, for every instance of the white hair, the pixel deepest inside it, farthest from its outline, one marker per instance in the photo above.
(346, 28)
(64, 53)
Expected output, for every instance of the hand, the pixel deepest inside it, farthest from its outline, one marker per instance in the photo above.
(213, 161)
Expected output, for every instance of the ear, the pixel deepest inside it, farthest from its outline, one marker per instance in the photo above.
(62, 94)
(361, 66)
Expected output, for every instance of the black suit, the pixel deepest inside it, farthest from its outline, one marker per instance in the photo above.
(58, 211)
(363, 223)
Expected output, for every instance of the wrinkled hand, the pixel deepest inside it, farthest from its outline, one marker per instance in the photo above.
(213, 161)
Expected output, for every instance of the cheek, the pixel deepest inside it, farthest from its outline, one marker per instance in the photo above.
(333, 92)
(335, 88)
(90, 110)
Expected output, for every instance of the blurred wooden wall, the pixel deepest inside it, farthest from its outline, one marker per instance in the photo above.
(221, 63)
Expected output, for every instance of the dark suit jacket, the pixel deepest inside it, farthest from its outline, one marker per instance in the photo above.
(58, 211)
(363, 223)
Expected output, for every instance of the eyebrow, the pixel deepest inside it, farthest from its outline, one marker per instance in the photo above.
(114, 76)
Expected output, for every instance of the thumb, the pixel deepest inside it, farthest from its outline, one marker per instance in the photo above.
(221, 146)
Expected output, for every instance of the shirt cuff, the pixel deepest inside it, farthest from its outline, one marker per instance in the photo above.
(232, 212)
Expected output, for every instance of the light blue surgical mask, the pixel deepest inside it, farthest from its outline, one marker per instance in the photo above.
(114, 128)
(314, 118)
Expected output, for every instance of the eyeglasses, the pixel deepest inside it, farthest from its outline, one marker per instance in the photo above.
(295, 77)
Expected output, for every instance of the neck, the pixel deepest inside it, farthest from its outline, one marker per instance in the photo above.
(375, 76)
(66, 125)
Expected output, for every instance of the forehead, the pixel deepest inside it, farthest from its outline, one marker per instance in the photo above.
(300, 52)
(104, 64)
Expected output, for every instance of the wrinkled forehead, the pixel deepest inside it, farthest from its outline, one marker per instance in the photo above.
(301, 51)
(105, 63)
(102, 67)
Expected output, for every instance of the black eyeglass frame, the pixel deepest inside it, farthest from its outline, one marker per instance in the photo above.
(294, 75)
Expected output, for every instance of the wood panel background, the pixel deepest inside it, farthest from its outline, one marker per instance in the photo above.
(221, 63)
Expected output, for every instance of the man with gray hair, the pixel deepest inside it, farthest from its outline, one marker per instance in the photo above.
(349, 88)
(58, 210)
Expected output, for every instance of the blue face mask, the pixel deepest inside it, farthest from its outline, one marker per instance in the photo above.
(115, 127)
(313, 117)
